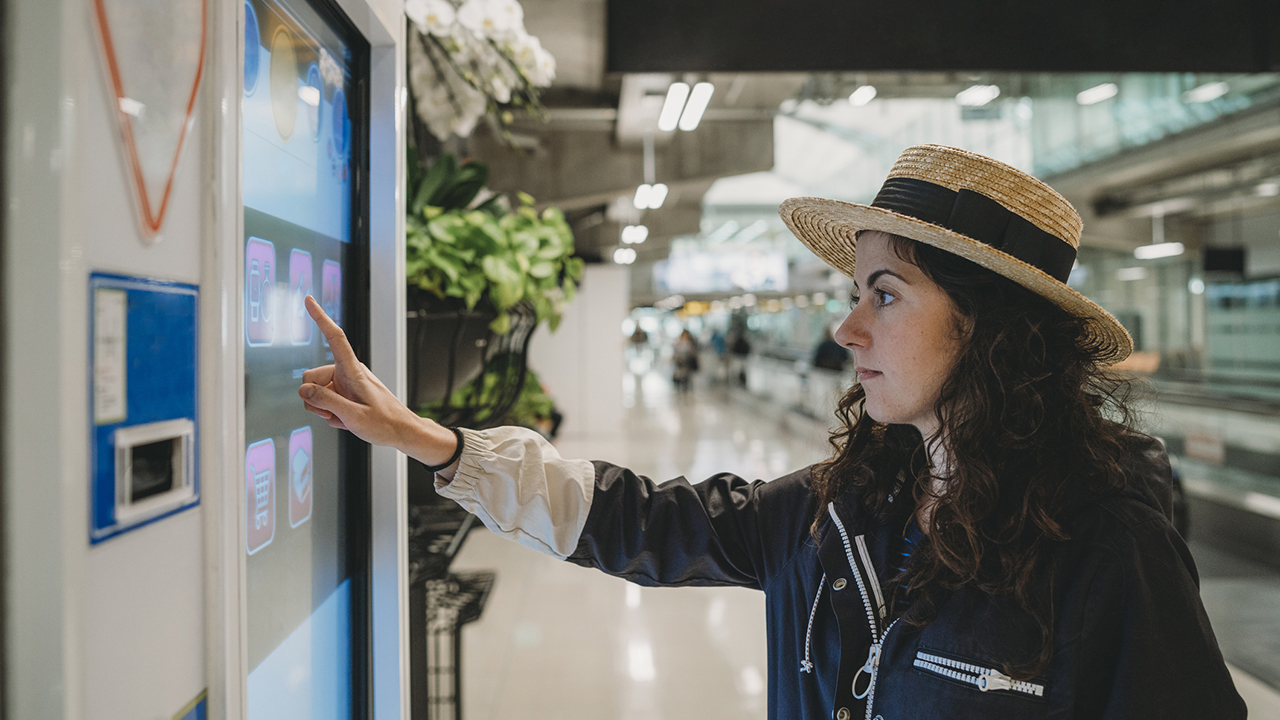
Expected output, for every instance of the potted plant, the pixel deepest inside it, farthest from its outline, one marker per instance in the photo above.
(476, 267)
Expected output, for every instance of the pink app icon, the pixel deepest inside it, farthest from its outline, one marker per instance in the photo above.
(300, 476)
(259, 287)
(260, 495)
(331, 292)
(299, 288)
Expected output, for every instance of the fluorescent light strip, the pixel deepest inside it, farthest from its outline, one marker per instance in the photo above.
(863, 95)
(1097, 94)
(978, 95)
(676, 95)
(657, 195)
(641, 200)
(1206, 92)
(696, 106)
(1159, 250)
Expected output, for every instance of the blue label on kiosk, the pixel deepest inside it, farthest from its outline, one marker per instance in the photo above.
(144, 367)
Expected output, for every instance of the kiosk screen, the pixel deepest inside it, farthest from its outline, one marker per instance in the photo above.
(306, 484)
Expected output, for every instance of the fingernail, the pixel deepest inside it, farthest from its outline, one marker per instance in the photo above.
(308, 390)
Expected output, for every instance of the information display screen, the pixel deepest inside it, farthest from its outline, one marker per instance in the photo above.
(306, 484)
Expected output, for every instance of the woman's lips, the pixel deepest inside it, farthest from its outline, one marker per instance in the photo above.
(864, 374)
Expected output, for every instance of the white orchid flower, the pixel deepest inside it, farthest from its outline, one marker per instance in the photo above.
(474, 16)
(508, 15)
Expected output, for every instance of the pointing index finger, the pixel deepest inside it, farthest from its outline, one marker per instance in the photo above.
(342, 352)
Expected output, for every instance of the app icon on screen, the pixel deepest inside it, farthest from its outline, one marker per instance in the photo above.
(331, 292)
(300, 285)
(300, 476)
(311, 93)
(260, 495)
(259, 289)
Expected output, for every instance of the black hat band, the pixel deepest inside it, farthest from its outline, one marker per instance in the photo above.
(974, 215)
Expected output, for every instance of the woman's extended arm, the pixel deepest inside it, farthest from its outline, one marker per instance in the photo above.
(674, 533)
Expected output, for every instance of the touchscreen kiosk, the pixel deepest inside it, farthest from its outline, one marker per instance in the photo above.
(306, 485)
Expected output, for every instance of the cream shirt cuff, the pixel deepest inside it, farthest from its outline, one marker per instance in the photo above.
(520, 488)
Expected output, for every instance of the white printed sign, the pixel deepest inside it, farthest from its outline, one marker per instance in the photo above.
(110, 358)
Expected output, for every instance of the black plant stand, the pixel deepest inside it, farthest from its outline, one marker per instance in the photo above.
(440, 602)
(449, 348)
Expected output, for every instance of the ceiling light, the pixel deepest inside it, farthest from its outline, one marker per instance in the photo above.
(657, 194)
(634, 234)
(676, 95)
(1097, 94)
(1196, 286)
(1268, 189)
(1131, 273)
(1159, 250)
(978, 95)
(641, 200)
(697, 104)
(624, 256)
(1206, 92)
(863, 95)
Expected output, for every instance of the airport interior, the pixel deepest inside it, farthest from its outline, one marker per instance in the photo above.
(561, 215)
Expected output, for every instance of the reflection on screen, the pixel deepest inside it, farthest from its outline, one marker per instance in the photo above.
(298, 239)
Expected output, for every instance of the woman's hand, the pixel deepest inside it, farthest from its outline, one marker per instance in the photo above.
(349, 397)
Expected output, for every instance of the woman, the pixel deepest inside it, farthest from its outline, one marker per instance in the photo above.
(990, 539)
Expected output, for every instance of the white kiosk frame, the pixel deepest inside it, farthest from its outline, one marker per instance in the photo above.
(382, 24)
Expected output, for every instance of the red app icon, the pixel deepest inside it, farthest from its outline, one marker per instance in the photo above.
(260, 495)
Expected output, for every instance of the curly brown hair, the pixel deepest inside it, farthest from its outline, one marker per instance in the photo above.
(1035, 428)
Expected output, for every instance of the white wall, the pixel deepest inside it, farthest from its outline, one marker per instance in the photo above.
(581, 364)
(114, 630)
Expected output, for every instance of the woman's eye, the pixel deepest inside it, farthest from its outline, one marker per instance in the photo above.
(884, 298)
(853, 301)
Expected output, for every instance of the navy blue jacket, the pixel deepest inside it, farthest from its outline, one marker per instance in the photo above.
(1131, 638)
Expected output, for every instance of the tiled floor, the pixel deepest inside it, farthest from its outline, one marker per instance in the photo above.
(560, 641)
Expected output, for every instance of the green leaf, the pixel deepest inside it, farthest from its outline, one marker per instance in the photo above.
(501, 324)
(573, 267)
(525, 198)
(468, 182)
(542, 269)
(472, 297)
(440, 174)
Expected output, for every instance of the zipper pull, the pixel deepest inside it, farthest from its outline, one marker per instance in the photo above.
(869, 667)
(994, 680)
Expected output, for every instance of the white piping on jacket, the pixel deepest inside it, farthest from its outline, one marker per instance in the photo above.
(806, 665)
(872, 666)
(861, 542)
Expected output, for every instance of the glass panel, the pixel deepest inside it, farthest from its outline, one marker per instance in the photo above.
(303, 480)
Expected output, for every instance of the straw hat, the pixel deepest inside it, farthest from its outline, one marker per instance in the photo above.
(998, 217)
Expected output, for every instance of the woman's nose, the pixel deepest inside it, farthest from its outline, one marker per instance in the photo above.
(851, 334)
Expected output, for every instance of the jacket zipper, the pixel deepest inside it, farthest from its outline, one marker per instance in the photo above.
(872, 666)
(986, 679)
